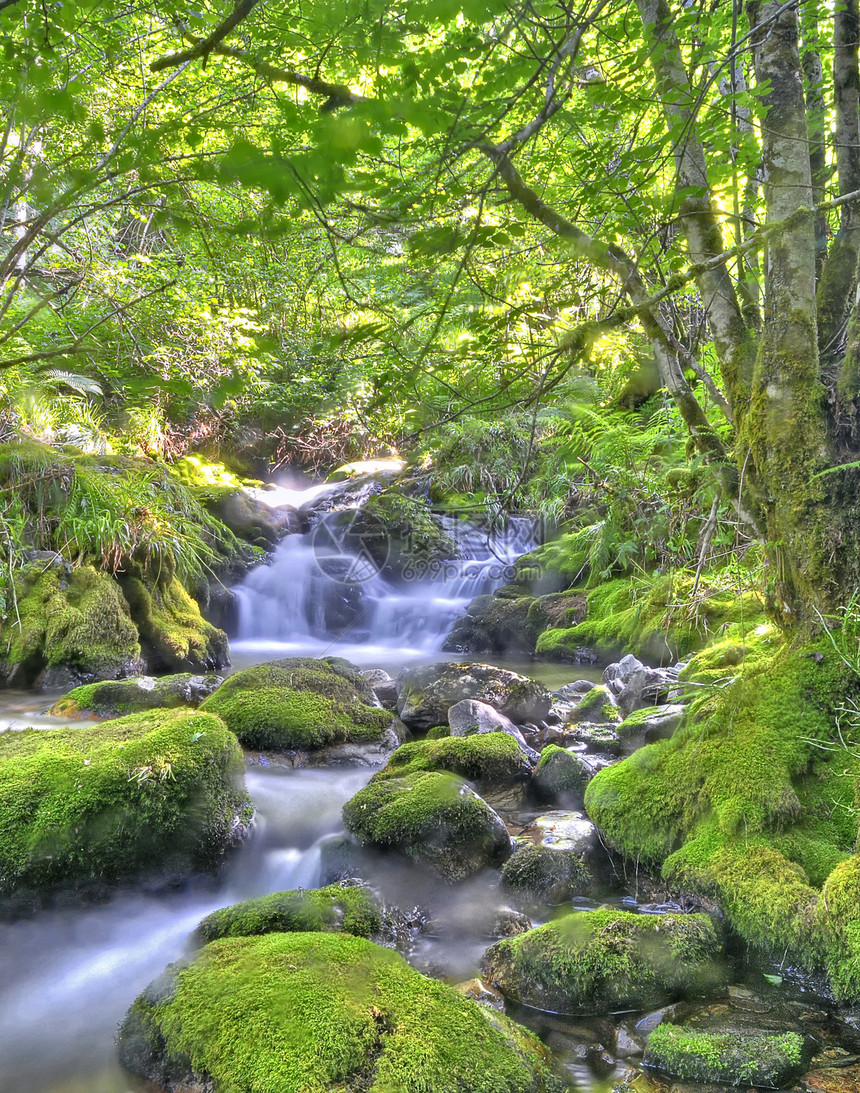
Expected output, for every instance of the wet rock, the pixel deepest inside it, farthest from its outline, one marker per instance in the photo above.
(574, 691)
(598, 738)
(545, 874)
(650, 1021)
(735, 1058)
(508, 621)
(470, 717)
(383, 686)
(562, 830)
(635, 685)
(598, 705)
(834, 1079)
(432, 817)
(649, 724)
(508, 923)
(480, 992)
(561, 776)
(115, 698)
(628, 1042)
(588, 962)
(425, 694)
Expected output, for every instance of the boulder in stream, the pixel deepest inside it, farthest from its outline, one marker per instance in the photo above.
(425, 694)
(300, 703)
(116, 698)
(561, 775)
(546, 875)
(728, 1056)
(593, 961)
(310, 1012)
(490, 759)
(432, 817)
(470, 717)
(156, 791)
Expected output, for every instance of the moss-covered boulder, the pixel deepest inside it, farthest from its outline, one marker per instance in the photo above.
(401, 534)
(591, 961)
(508, 621)
(299, 703)
(730, 1057)
(116, 698)
(561, 776)
(69, 626)
(650, 724)
(347, 908)
(598, 706)
(546, 874)
(425, 694)
(313, 1013)
(153, 791)
(173, 633)
(487, 759)
(654, 618)
(432, 817)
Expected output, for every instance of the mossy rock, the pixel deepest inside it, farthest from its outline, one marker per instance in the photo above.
(558, 564)
(299, 702)
(74, 626)
(654, 618)
(346, 908)
(432, 817)
(561, 775)
(174, 634)
(401, 533)
(598, 706)
(426, 693)
(313, 1013)
(730, 1057)
(509, 621)
(593, 961)
(486, 759)
(116, 698)
(545, 874)
(153, 791)
(752, 802)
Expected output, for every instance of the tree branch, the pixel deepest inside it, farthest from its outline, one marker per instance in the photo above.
(204, 47)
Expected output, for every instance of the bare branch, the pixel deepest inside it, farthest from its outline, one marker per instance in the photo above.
(203, 48)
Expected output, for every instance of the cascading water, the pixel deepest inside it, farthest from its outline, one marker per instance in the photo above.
(316, 594)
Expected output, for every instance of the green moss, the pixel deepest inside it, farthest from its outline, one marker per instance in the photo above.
(752, 801)
(78, 621)
(485, 757)
(314, 1013)
(153, 790)
(560, 772)
(838, 928)
(298, 703)
(738, 648)
(348, 908)
(172, 628)
(438, 732)
(597, 960)
(431, 816)
(565, 559)
(736, 1058)
(553, 876)
(114, 698)
(597, 705)
(393, 522)
(652, 617)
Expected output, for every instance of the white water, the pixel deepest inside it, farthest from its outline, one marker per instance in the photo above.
(316, 598)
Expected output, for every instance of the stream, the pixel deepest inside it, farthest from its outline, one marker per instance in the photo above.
(68, 975)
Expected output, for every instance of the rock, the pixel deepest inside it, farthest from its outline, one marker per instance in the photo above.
(383, 686)
(735, 1058)
(508, 923)
(598, 706)
(508, 621)
(545, 874)
(833, 1080)
(649, 724)
(650, 1021)
(299, 702)
(321, 1011)
(342, 858)
(574, 691)
(156, 791)
(598, 738)
(349, 908)
(174, 636)
(562, 830)
(479, 992)
(115, 698)
(75, 627)
(434, 818)
(588, 962)
(561, 775)
(470, 717)
(425, 694)
(635, 686)
(627, 1043)
(488, 759)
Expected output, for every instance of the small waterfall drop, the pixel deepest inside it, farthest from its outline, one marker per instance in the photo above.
(314, 595)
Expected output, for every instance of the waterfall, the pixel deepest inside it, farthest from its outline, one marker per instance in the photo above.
(315, 594)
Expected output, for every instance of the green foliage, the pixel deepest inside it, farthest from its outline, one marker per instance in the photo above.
(298, 703)
(160, 790)
(309, 1012)
(337, 908)
(734, 1058)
